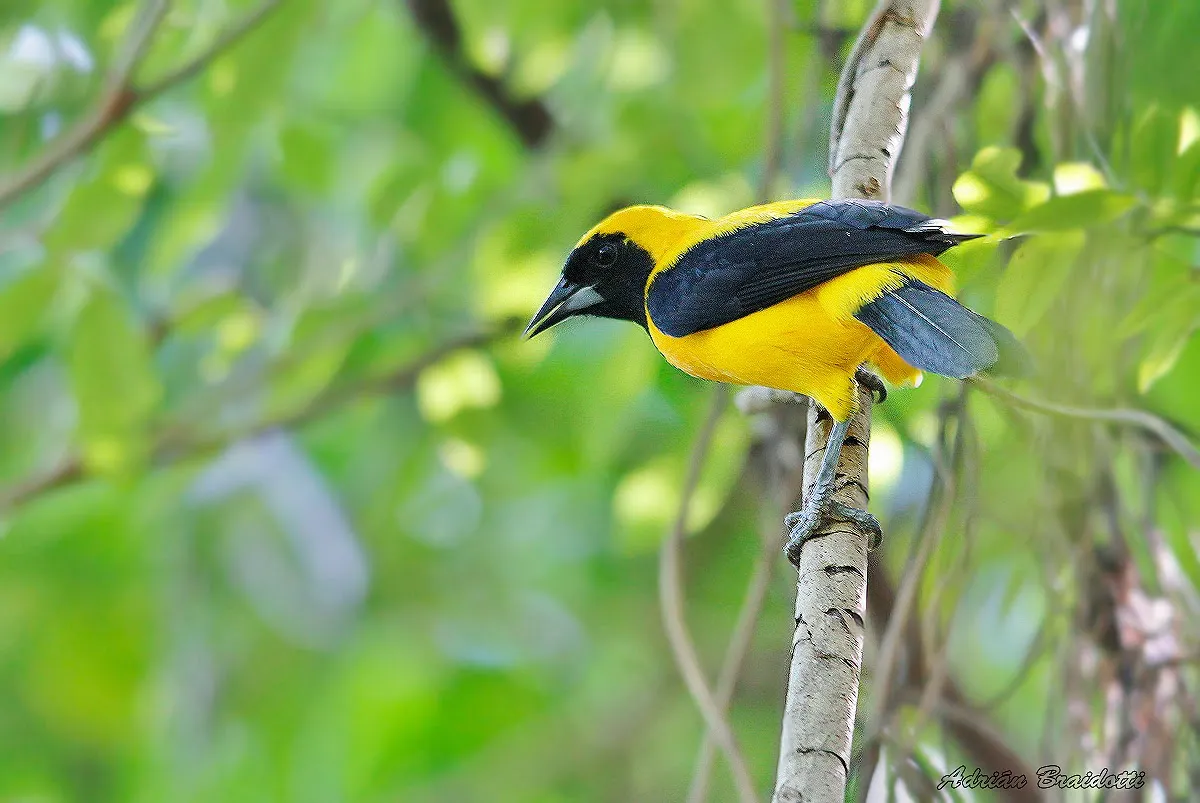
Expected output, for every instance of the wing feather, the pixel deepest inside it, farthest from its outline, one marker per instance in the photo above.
(751, 268)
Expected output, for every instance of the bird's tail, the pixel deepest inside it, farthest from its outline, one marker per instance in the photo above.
(935, 333)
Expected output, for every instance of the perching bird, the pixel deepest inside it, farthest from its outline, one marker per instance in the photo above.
(795, 295)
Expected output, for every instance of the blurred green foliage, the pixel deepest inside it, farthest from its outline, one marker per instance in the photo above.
(257, 547)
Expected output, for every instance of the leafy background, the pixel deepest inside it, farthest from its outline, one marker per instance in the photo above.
(288, 512)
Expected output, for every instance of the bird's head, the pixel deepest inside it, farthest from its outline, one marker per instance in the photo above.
(607, 271)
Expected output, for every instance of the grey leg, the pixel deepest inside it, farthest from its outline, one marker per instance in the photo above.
(818, 507)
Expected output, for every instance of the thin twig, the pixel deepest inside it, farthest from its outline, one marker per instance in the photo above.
(224, 41)
(114, 105)
(979, 739)
(121, 96)
(760, 575)
(529, 118)
(670, 595)
(1171, 437)
(934, 661)
(906, 599)
(149, 17)
(173, 447)
(738, 649)
(776, 103)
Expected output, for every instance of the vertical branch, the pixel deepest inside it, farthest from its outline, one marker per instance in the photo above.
(869, 120)
(760, 578)
(671, 606)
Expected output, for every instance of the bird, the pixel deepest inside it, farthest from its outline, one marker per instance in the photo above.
(798, 296)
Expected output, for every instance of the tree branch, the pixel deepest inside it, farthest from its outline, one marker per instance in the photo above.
(1170, 436)
(975, 733)
(737, 650)
(172, 447)
(113, 107)
(121, 97)
(224, 41)
(529, 118)
(760, 576)
(866, 133)
(670, 588)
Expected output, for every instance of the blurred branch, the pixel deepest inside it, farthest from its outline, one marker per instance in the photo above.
(760, 574)
(1187, 231)
(172, 447)
(67, 472)
(117, 99)
(910, 668)
(529, 118)
(1170, 436)
(866, 133)
(670, 588)
(1060, 80)
(224, 41)
(121, 96)
(776, 102)
(969, 726)
(737, 650)
(960, 78)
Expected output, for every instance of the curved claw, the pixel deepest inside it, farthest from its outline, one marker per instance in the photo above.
(804, 524)
(860, 517)
(872, 383)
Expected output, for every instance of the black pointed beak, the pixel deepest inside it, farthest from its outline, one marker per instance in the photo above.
(566, 300)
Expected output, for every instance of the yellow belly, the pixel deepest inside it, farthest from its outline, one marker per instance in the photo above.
(810, 343)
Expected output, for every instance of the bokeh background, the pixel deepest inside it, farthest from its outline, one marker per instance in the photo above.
(288, 512)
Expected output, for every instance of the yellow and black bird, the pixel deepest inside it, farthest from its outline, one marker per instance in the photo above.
(794, 295)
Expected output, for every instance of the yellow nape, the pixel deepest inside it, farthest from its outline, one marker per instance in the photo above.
(655, 228)
(666, 233)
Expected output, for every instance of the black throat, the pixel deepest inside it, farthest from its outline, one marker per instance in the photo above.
(619, 269)
(625, 295)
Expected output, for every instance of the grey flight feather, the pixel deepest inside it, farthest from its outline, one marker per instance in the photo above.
(933, 332)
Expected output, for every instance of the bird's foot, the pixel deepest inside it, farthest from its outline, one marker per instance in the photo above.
(872, 383)
(805, 523)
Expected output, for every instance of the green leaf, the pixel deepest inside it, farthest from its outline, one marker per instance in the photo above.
(1175, 326)
(307, 157)
(1170, 279)
(114, 382)
(24, 298)
(1088, 208)
(1153, 146)
(1035, 275)
(991, 187)
(997, 103)
(1185, 177)
(101, 209)
(1075, 177)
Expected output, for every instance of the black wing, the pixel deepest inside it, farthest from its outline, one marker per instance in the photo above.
(729, 277)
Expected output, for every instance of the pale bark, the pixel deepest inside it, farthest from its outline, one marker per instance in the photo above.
(869, 121)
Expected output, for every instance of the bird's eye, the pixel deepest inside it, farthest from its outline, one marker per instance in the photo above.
(605, 256)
